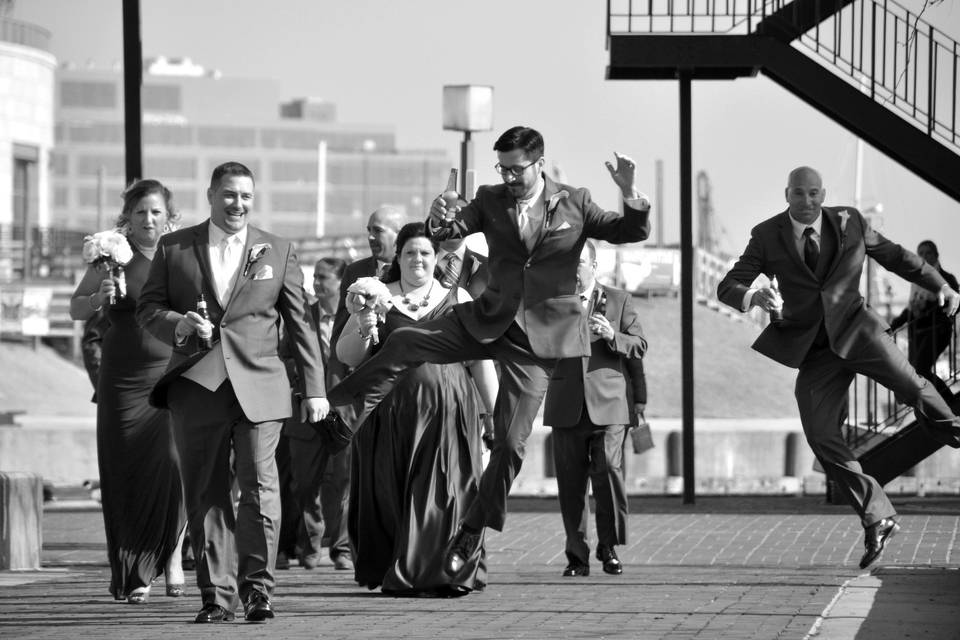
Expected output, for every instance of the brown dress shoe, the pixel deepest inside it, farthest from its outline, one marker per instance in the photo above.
(257, 607)
(875, 539)
(611, 563)
(213, 613)
(576, 569)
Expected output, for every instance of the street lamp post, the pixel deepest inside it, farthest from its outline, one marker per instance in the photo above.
(467, 108)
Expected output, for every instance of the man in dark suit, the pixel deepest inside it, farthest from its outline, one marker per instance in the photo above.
(590, 403)
(929, 329)
(528, 316)
(829, 333)
(321, 482)
(382, 229)
(461, 266)
(235, 395)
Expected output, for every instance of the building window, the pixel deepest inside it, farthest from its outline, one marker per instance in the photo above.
(293, 171)
(226, 137)
(161, 97)
(161, 168)
(96, 133)
(113, 165)
(290, 139)
(167, 135)
(88, 95)
(293, 202)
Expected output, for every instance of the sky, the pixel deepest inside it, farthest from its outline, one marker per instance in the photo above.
(385, 62)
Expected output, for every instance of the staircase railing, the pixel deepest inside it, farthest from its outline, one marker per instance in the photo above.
(880, 47)
(873, 409)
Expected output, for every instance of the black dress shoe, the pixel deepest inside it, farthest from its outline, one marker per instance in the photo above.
(875, 539)
(465, 543)
(214, 613)
(611, 563)
(257, 607)
(575, 569)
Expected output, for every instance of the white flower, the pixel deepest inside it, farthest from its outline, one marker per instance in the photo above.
(107, 247)
(256, 252)
(844, 216)
(369, 294)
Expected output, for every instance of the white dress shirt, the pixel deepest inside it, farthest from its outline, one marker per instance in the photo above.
(226, 256)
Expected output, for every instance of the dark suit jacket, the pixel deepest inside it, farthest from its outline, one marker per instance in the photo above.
(247, 329)
(608, 381)
(545, 279)
(832, 297)
(474, 274)
(362, 268)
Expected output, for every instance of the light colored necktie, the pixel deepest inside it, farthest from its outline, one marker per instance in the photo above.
(451, 272)
(523, 221)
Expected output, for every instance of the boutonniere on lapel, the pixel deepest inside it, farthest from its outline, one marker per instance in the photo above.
(552, 205)
(844, 216)
(256, 252)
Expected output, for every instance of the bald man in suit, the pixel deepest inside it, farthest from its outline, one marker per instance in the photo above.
(829, 333)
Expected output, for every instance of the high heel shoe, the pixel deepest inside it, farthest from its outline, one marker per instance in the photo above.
(176, 590)
(138, 595)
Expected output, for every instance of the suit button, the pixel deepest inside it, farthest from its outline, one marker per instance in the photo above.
(223, 324)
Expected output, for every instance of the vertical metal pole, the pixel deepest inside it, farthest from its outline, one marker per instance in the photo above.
(466, 162)
(686, 284)
(132, 80)
(658, 203)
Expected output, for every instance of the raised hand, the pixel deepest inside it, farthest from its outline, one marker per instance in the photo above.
(624, 175)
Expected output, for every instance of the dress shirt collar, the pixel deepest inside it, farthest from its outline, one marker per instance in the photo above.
(585, 295)
(533, 199)
(798, 227)
(460, 252)
(217, 235)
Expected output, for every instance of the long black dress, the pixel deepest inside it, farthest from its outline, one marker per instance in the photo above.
(140, 488)
(416, 466)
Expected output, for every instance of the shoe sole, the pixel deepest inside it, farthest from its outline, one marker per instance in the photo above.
(259, 616)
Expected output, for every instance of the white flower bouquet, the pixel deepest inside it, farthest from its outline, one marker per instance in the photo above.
(110, 250)
(369, 294)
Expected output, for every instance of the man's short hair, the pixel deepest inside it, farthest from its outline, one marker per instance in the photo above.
(337, 265)
(229, 169)
(528, 140)
(591, 249)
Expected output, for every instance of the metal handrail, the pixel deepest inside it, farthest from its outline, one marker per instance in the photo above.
(878, 46)
(874, 410)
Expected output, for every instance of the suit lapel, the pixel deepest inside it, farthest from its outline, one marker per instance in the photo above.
(253, 236)
(201, 249)
(832, 226)
(789, 245)
(510, 207)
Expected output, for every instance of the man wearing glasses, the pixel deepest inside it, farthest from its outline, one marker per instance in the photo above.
(528, 316)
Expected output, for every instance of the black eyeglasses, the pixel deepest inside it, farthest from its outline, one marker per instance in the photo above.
(516, 170)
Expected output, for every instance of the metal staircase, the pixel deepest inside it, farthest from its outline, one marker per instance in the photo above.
(873, 66)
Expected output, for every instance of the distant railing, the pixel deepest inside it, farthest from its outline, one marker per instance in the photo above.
(25, 34)
(883, 49)
(875, 411)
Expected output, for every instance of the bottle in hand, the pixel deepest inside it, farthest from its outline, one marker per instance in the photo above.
(205, 338)
(776, 314)
(450, 195)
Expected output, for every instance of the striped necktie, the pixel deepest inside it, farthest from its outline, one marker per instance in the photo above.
(451, 272)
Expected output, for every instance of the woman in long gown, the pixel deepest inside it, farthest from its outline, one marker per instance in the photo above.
(416, 460)
(141, 494)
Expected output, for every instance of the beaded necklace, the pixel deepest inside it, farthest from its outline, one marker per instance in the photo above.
(413, 305)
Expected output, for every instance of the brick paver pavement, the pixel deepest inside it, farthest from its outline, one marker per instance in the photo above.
(725, 568)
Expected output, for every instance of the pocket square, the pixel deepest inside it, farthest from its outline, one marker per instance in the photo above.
(563, 226)
(264, 273)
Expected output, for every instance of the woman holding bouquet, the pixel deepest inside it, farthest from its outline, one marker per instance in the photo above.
(416, 462)
(140, 487)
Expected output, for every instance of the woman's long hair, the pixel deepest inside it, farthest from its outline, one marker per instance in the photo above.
(139, 190)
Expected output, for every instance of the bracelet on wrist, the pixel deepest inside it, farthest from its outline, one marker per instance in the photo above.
(362, 337)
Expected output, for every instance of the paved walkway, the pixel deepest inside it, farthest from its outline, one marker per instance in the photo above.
(726, 567)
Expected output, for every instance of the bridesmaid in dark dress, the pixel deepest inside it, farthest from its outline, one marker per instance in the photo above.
(416, 460)
(141, 494)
